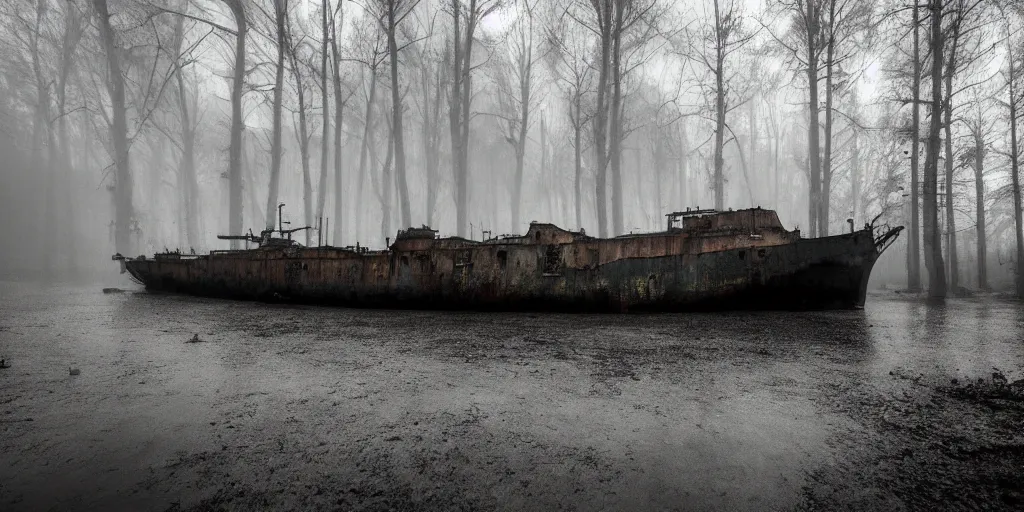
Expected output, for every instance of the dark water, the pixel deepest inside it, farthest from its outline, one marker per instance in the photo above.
(305, 407)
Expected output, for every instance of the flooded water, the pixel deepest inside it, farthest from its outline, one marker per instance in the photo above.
(306, 407)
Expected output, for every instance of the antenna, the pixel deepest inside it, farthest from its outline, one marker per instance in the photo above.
(280, 225)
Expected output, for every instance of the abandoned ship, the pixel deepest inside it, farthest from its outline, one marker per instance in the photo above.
(705, 259)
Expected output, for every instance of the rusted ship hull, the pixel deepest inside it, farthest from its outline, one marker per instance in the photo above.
(671, 272)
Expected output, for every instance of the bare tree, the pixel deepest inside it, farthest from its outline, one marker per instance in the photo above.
(75, 20)
(373, 52)
(237, 123)
(804, 46)
(623, 29)
(979, 125)
(569, 53)
(518, 94)
(42, 134)
(340, 101)
(280, 15)
(460, 99)
(844, 20)
(954, 45)
(325, 108)
(396, 12)
(1014, 104)
(124, 212)
(187, 107)
(433, 84)
(293, 50)
(914, 245)
(932, 237)
(712, 46)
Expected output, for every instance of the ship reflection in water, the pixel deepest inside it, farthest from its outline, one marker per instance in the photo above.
(705, 259)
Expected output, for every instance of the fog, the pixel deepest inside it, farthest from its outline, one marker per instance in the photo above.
(138, 126)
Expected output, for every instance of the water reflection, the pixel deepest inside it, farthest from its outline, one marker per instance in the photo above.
(960, 337)
(723, 410)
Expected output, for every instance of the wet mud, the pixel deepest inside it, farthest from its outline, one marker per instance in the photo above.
(302, 408)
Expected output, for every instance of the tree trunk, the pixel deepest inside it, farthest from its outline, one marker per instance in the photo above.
(307, 177)
(187, 162)
(855, 171)
(551, 189)
(124, 213)
(603, 8)
(454, 124)
(814, 126)
(72, 36)
(979, 189)
(932, 238)
(396, 121)
(303, 136)
(825, 199)
(42, 136)
(280, 10)
(525, 71)
(658, 160)
(519, 148)
(1018, 221)
(638, 188)
(431, 134)
(425, 137)
(325, 129)
(367, 143)
(685, 194)
(746, 173)
(914, 243)
(776, 141)
(458, 111)
(466, 90)
(752, 159)
(434, 159)
(616, 138)
(237, 124)
(954, 267)
(719, 112)
(954, 270)
(517, 138)
(386, 185)
(339, 113)
(153, 179)
(577, 155)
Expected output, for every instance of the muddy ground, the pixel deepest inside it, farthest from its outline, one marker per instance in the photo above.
(315, 408)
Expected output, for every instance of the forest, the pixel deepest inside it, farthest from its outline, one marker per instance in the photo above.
(137, 126)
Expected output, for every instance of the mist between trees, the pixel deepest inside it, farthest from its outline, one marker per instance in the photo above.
(132, 126)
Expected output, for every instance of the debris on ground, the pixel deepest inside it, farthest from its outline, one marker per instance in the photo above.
(998, 387)
(925, 444)
(113, 290)
(74, 371)
(194, 339)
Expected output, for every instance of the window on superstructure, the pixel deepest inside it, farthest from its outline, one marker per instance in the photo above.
(552, 259)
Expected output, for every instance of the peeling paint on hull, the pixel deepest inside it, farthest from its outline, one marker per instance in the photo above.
(548, 269)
